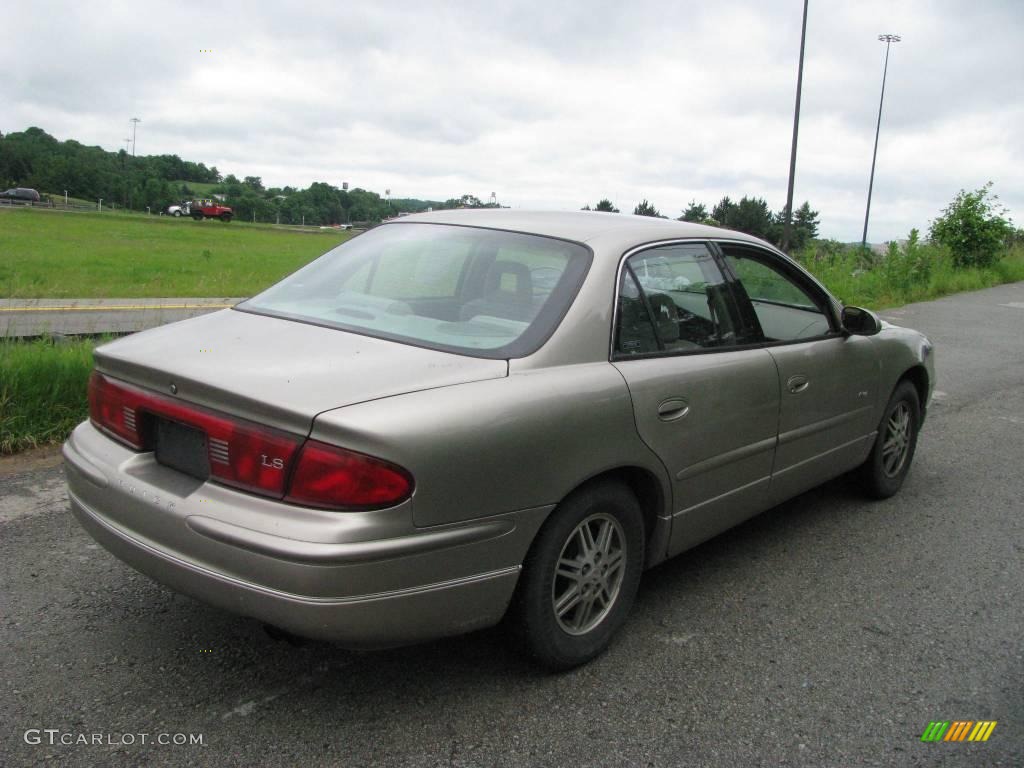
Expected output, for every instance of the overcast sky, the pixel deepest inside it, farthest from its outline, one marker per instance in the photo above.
(549, 105)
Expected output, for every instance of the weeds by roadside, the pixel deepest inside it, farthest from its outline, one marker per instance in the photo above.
(912, 272)
(42, 390)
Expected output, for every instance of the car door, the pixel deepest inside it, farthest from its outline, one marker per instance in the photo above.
(705, 405)
(828, 380)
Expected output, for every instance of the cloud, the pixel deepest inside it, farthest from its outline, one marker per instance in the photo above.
(548, 105)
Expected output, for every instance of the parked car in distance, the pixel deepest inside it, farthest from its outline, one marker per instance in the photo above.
(177, 210)
(465, 414)
(21, 193)
(210, 209)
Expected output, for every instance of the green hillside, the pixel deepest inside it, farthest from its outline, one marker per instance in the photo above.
(58, 254)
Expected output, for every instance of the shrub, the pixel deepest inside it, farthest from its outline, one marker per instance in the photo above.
(910, 265)
(972, 227)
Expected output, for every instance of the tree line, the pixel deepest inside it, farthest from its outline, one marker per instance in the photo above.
(33, 158)
(751, 215)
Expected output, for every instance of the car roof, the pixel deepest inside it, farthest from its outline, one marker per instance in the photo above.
(580, 226)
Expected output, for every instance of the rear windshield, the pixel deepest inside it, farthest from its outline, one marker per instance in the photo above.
(474, 291)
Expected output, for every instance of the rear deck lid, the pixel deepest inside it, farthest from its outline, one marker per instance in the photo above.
(279, 372)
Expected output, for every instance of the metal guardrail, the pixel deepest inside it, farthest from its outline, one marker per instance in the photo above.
(11, 203)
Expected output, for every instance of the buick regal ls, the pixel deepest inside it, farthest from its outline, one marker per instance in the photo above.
(467, 415)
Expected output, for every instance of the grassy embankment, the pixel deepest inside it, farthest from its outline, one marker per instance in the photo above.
(42, 391)
(42, 384)
(57, 254)
(52, 254)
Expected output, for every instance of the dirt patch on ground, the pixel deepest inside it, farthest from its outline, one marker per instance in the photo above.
(28, 461)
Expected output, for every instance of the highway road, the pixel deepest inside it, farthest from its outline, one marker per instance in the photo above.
(827, 632)
(37, 317)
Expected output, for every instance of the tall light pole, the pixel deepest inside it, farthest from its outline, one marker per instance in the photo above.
(888, 40)
(787, 230)
(134, 121)
(126, 198)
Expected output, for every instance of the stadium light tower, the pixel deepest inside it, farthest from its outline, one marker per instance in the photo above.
(888, 40)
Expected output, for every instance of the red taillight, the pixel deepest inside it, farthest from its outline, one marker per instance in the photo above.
(252, 457)
(114, 409)
(242, 454)
(327, 476)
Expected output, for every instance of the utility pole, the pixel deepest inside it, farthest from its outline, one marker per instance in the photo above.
(888, 40)
(787, 230)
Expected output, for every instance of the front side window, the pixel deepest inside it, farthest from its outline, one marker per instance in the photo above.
(785, 310)
(672, 299)
(482, 292)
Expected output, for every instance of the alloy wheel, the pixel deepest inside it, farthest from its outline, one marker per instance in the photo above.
(897, 439)
(588, 574)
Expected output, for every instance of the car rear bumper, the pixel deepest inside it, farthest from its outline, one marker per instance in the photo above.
(364, 579)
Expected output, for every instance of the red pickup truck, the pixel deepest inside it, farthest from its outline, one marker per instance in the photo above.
(210, 209)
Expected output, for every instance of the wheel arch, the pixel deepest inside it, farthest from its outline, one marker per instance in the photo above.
(918, 376)
(653, 499)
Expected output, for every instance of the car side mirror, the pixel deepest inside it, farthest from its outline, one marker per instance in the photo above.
(860, 322)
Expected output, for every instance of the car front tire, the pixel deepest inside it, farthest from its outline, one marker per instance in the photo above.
(581, 576)
(885, 469)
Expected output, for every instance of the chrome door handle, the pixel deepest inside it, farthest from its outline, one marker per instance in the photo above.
(798, 384)
(673, 408)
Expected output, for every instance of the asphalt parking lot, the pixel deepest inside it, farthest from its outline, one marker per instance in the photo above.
(827, 632)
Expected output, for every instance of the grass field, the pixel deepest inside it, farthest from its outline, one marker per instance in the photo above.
(42, 391)
(55, 254)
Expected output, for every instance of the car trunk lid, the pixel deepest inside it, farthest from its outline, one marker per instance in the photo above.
(277, 372)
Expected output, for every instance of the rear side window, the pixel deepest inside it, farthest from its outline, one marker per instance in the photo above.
(674, 299)
(635, 333)
(482, 292)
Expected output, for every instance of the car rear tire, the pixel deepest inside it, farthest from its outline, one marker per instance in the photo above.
(177, 214)
(885, 469)
(581, 576)
(197, 216)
